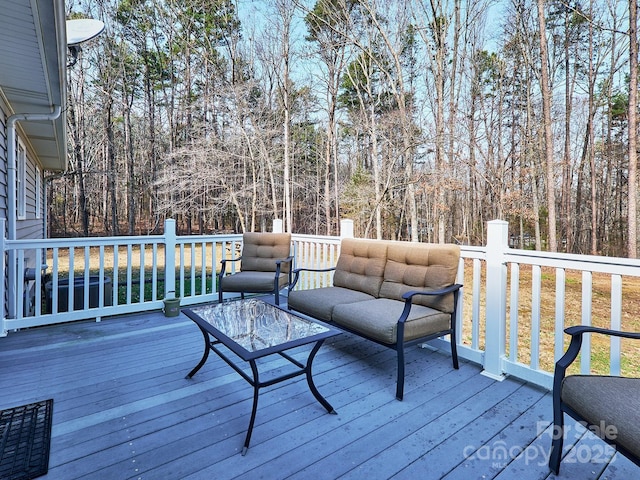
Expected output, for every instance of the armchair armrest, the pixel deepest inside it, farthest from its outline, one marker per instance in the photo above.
(296, 273)
(279, 263)
(223, 264)
(576, 333)
(225, 260)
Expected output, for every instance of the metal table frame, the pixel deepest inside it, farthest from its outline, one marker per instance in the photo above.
(214, 337)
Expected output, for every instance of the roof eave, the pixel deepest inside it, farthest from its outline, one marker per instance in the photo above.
(33, 57)
(52, 150)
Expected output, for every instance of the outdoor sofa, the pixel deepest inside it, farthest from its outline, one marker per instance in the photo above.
(396, 294)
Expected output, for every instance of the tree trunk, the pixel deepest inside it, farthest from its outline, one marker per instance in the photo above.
(111, 173)
(633, 153)
(78, 147)
(592, 149)
(547, 126)
(567, 227)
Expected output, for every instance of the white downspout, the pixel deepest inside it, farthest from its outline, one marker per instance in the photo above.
(12, 205)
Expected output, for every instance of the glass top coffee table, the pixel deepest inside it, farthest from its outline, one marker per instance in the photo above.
(252, 329)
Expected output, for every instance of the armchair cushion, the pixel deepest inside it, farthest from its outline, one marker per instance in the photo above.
(610, 402)
(259, 250)
(265, 264)
(252, 281)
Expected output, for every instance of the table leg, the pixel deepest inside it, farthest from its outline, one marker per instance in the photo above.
(256, 391)
(205, 355)
(312, 385)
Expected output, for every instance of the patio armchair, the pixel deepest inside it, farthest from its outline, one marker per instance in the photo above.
(607, 405)
(265, 266)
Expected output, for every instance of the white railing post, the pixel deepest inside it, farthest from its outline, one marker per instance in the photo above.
(169, 257)
(346, 228)
(277, 225)
(496, 294)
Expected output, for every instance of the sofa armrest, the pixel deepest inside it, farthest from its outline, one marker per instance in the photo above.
(296, 274)
(408, 297)
(441, 291)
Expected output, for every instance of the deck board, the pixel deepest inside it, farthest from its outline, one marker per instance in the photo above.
(124, 409)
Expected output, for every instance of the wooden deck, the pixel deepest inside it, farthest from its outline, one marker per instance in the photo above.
(123, 409)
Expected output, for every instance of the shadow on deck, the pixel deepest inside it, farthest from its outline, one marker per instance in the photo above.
(123, 409)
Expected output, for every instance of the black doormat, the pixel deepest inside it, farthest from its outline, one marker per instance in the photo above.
(25, 437)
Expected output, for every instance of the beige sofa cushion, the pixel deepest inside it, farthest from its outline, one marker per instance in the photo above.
(361, 265)
(420, 266)
(378, 319)
(319, 302)
(260, 250)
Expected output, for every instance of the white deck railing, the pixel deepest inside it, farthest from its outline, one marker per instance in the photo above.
(119, 275)
(511, 317)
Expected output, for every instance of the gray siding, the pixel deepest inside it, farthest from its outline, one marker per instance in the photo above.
(30, 226)
(3, 192)
(3, 159)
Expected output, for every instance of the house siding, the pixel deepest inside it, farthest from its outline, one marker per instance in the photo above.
(3, 159)
(33, 54)
(3, 194)
(30, 226)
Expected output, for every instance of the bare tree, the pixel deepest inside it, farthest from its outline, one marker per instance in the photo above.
(632, 246)
(327, 23)
(545, 88)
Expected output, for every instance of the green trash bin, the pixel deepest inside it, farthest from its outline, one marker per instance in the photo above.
(171, 307)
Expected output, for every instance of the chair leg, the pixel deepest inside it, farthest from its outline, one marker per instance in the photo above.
(454, 352)
(400, 381)
(557, 441)
(219, 295)
(453, 337)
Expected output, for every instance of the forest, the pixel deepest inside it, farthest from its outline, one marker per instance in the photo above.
(419, 120)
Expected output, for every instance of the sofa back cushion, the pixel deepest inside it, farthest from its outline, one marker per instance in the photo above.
(261, 250)
(420, 266)
(361, 265)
